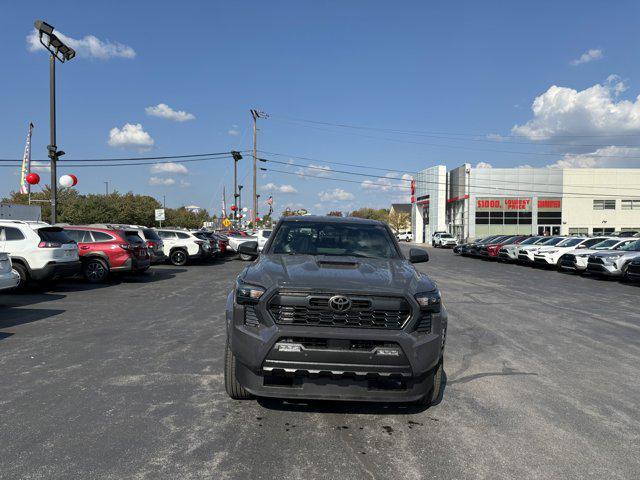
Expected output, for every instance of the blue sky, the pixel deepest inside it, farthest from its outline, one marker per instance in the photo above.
(470, 68)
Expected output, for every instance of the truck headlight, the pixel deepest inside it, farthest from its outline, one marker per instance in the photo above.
(247, 294)
(429, 301)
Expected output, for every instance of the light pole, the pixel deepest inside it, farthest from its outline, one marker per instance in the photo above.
(239, 211)
(236, 158)
(62, 53)
(106, 188)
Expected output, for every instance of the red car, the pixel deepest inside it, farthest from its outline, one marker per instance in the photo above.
(106, 250)
(491, 250)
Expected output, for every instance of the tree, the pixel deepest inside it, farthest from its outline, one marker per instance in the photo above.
(381, 214)
(399, 221)
(335, 213)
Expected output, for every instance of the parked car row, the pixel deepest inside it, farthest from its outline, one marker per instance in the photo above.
(39, 252)
(605, 256)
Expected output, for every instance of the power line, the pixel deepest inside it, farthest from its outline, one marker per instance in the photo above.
(337, 163)
(423, 132)
(461, 147)
(477, 188)
(82, 165)
(126, 158)
(417, 181)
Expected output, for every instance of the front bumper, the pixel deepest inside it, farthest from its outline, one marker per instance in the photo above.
(335, 371)
(9, 280)
(524, 258)
(544, 260)
(54, 270)
(608, 270)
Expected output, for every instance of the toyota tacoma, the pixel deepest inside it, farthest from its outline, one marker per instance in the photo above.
(332, 309)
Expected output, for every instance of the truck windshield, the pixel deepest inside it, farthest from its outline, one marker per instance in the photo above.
(342, 239)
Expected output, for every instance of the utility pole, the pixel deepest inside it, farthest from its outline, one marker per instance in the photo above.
(256, 114)
(106, 186)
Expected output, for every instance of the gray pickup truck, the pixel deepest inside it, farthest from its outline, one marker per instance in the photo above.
(332, 309)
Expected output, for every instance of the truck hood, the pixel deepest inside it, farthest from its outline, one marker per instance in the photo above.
(337, 273)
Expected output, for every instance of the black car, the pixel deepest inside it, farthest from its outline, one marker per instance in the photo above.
(633, 271)
(465, 248)
(332, 309)
(475, 249)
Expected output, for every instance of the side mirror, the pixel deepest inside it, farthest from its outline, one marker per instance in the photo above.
(580, 246)
(418, 255)
(249, 248)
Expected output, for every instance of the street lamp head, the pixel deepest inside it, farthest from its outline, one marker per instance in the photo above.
(52, 43)
(236, 155)
(43, 27)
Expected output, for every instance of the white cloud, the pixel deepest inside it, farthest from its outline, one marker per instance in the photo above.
(162, 110)
(161, 181)
(564, 113)
(607, 157)
(169, 167)
(86, 47)
(588, 56)
(234, 131)
(495, 137)
(336, 195)
(272, 187)
(185, 184)
(315, 170)
(389, 182)
(130, 136)
(483, 165)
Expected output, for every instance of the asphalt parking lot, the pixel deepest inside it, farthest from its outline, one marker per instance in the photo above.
(125, 381)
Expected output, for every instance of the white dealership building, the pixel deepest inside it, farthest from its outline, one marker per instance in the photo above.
(473, 202)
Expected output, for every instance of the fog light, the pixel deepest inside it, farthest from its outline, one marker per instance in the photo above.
(389, 352)
(289, 347)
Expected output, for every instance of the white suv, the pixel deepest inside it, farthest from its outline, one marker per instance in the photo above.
(181, 246)
(549, 256)
(404, 236)
(9, 278)
(444, 240)
(38, 251)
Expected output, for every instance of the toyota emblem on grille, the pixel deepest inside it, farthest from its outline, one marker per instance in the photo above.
(339, 303)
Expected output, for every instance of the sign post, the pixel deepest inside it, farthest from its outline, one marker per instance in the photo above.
(160, 215)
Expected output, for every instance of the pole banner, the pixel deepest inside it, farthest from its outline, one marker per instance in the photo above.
(26, 163)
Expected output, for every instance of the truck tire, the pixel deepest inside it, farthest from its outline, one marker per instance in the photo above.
(433, 395)
(95, 270)
(231, 384)
(178, 257)
(24, 275)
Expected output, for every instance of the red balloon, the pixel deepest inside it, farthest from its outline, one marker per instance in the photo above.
(75, 179)
(233, 208)
(33, 179)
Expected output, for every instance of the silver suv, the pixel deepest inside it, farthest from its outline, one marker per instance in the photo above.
(613, 263)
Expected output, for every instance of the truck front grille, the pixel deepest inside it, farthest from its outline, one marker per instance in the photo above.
(389, 313)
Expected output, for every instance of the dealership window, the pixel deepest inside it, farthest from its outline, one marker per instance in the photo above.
(603, 231)
(549, 218)
(630, 204)
(482, 218)
(579, 231)
(604, 204)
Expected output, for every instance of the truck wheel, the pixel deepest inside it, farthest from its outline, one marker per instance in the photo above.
(24, 275)
(178, 257)
(433, 395)
(95, 270)
(231, 384)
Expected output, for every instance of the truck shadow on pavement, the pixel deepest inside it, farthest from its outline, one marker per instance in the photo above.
(353, 408)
